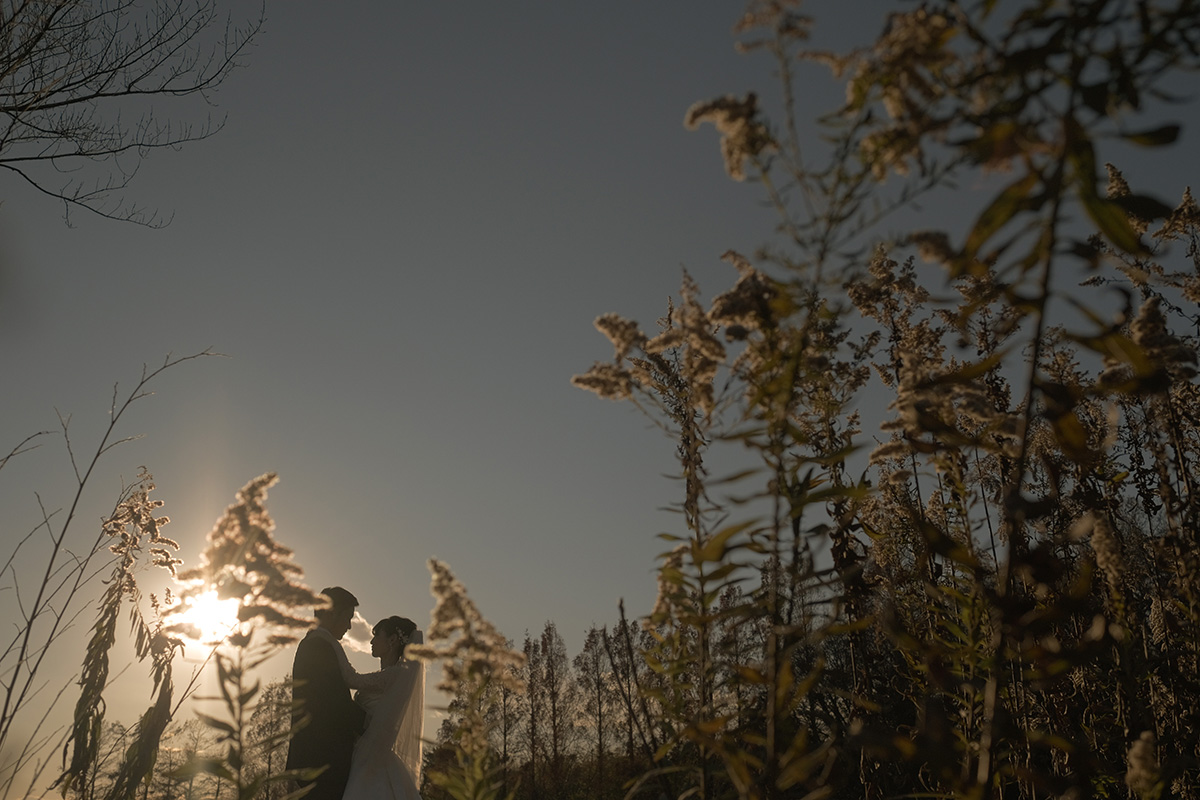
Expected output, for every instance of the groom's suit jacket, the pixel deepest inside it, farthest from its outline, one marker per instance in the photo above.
(331, 721)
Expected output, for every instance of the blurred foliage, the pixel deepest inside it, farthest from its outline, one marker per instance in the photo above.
(998, 600)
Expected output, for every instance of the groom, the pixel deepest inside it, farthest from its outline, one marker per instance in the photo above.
(330, 721)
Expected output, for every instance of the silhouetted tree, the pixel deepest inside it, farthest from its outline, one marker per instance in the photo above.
(506, 711)
(82, 83)
(535, 704)
(560, 702)
(269, 725)
(595, 678)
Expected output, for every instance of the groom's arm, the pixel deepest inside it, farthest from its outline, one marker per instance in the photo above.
(326, 696)
(370, 682)
(350, 715)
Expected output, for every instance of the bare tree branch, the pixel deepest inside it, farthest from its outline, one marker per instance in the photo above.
(77, 80)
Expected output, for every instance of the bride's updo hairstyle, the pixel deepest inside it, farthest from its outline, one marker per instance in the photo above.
(396, 626)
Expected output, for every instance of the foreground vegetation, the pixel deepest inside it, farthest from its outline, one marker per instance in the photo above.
(998, 598)
(995, 593)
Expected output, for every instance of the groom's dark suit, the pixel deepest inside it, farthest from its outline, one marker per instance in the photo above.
(334, 721)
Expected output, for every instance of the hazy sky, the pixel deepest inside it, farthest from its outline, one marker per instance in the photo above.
(401, 238)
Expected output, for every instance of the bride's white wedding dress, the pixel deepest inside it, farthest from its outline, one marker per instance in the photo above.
(387, 758)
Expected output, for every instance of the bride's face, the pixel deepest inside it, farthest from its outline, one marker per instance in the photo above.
(384, 644)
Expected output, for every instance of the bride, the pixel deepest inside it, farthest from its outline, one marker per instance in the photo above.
(387, 759)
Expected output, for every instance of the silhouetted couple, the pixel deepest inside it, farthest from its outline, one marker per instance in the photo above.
(371, 745)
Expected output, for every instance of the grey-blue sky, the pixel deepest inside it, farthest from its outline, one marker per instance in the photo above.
(401, 237)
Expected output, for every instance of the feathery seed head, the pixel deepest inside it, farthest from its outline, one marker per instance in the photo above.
(1142, 774)
(1184, 221)
(607, 380)
(469, 647)
(243, 561)
(742, 134)
(623, 333)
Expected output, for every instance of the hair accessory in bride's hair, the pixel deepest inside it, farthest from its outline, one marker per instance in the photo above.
(416, 637)
(402, 627)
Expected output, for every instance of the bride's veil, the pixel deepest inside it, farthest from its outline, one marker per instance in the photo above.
(412, 723)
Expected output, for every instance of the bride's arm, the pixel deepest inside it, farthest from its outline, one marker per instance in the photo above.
(371, 682)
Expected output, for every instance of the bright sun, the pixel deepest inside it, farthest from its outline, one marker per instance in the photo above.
(213, 618)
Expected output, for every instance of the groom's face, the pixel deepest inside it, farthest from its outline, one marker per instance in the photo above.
(341, 622)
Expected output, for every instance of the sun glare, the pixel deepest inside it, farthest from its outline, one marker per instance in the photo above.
(212, 617)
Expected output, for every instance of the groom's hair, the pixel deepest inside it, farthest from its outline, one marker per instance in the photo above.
(339, 600)
(392, 625)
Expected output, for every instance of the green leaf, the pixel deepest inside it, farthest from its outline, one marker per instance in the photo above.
(251, 790)
(999, 212)
(202, 765)
(737, 476)
(248, 695)
(1144, 206)
(1113, 222)
(1081, 153)
(218, 724)
(1072, 438)
(1156, 137)
(723, 571)
(708, 727)
(714, 549)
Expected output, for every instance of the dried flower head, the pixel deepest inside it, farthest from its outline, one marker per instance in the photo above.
(915, 39)
(606, 379)
(1142, 776)
(1164, 350)
(469, 647)
(623, 333)
(891, 148)
(1118, 189)
(1108, 551)
(748, 306)
(1158, 622)
(668, 339)
(1184, 221)
(779, 17)
(907, 70)
(244, 562)
(1117, 186)
(933, 246)
(742, 134)
(133, 519)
